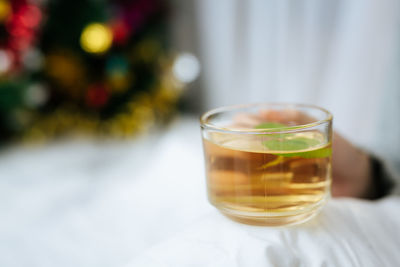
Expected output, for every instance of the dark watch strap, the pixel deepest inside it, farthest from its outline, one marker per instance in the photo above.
(382, 183)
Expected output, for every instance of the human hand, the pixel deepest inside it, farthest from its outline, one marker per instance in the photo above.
(351, 170)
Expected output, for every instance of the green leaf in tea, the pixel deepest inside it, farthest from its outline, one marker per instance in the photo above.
(285, 142)
(270, 125)
(299, 143)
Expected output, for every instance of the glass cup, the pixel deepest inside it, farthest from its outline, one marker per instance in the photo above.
(268, 164)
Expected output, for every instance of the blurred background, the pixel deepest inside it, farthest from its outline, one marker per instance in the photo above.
(97, 68)
(112, 90)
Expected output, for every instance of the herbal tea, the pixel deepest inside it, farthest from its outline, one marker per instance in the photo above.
(267, 179)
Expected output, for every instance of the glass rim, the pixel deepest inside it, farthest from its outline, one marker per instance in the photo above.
(206, 125)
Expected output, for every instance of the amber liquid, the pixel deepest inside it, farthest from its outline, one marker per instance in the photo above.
(253, 185)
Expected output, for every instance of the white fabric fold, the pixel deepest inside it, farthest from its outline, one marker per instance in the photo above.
(347, 232)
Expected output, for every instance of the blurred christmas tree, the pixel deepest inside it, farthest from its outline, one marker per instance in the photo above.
(89, 66)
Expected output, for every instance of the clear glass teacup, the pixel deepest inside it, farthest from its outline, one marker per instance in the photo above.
(268, 164)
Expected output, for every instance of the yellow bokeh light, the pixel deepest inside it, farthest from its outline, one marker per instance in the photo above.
(96, 38)
(5, 9)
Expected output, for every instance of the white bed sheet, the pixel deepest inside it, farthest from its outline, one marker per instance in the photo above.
(346, 233)
(143, 203)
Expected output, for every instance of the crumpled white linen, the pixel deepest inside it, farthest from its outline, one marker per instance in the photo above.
(347, 232)
(143, 203)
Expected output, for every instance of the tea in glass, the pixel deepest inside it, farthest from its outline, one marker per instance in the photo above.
(268, 164)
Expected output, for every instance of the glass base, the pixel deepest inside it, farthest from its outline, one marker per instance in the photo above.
(272, 219)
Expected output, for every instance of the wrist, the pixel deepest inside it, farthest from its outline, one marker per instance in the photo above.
(380, 184)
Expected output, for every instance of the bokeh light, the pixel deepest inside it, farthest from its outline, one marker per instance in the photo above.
(36, 95)
(5, 61)
(30, 16)
(96, 38)
(5, 9)
(186, 68)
